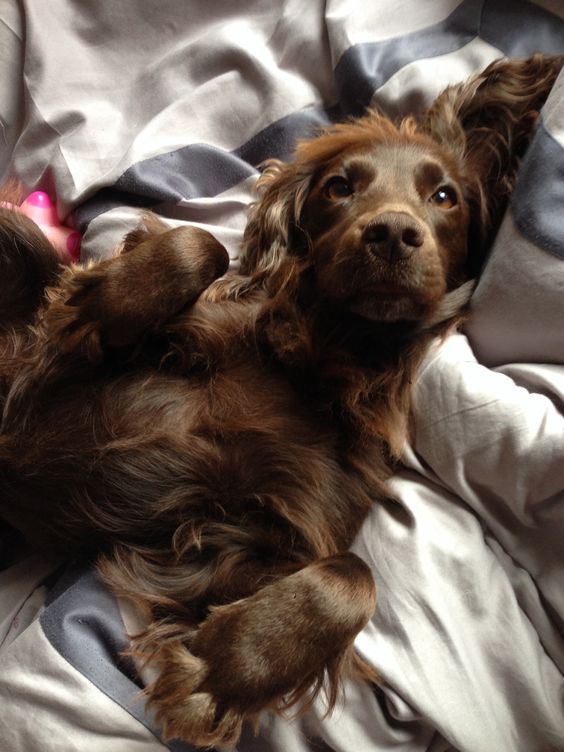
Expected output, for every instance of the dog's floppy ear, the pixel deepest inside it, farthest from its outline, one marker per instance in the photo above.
(488, 122)
(272, 230)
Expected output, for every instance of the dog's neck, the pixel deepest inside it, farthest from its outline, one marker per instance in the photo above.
(375, 344)
(358, 370)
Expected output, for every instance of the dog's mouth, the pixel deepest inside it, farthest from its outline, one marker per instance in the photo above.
(391, 299)
(389, 284)
(377, 289)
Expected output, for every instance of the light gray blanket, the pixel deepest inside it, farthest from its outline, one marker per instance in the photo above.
(171, 105)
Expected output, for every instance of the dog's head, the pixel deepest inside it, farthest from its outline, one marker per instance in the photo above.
(378, 212)
(385, 219)
(390, 218)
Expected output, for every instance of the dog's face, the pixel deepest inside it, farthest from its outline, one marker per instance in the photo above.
(380, 213)
(386, 227)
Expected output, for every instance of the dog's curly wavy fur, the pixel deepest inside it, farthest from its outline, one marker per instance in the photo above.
(214, 441)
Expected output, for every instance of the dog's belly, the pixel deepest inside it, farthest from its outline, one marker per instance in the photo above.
(135, 458)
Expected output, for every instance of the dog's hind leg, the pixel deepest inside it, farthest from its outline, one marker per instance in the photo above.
(28, 264)
(270, 650)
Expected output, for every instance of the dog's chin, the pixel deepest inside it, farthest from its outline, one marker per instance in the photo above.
(405, 306)
(397, 306)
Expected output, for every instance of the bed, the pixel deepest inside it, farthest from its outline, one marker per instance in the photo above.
(171, 106)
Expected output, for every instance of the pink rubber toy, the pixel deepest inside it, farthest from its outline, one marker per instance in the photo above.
(41, 210)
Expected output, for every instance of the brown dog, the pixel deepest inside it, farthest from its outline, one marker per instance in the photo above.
(216, 441)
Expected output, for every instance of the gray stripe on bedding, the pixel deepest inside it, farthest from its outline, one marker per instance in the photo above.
(520, 28)
(201, 170)
(538, 197)
(366, 67)
(82, 622)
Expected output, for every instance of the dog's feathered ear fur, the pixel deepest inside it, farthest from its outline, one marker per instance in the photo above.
(273, 226)
(488, 122)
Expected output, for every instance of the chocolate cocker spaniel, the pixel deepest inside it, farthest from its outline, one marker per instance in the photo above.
(214, 441)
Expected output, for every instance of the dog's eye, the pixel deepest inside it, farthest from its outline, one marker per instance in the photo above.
(338, 187)
(445, 197)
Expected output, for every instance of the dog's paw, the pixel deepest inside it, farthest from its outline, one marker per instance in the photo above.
(184, 709)
(116, 301)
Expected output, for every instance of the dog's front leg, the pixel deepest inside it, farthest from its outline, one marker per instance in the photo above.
(114, 303)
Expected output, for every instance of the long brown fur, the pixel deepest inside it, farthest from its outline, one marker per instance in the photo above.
(215, 441)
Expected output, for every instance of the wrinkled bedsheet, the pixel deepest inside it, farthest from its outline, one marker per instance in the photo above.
(122, 106)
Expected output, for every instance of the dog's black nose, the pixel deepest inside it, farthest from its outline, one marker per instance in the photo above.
(393, 235)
